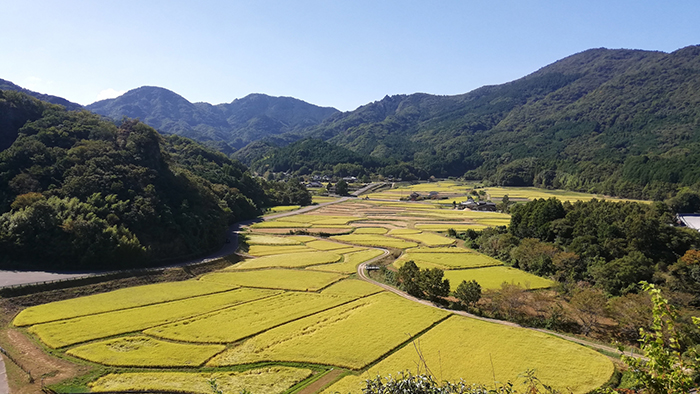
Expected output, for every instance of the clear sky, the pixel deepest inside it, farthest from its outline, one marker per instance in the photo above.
(331, 53)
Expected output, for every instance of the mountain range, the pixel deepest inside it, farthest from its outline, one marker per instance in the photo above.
(617, 121)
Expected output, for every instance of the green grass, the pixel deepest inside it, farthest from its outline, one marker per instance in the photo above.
(142, 351)
(292, 260)
(114, 300)
(248, 319)
(493, 277)
(287, 279)
(481, 352)
(86, 328)
(351, 336)
(269, 380)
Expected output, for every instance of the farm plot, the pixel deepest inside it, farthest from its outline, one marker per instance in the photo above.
(493, 277)
(325, 245)
(321, 220)
(352, 288)
(448, 261)
(478, 350)
(532, 193)
(325, 337)
(86, 328)
(115, 300)
(257, 239)
(428, 239)
(287, 279)
(269, 250)
(278, 224)
(282, 208)
(375, 240)
(370, 230)
(142, 351)
(292, 260)
(443, 227)
(232, 324)
(269, 380)
(350, 262)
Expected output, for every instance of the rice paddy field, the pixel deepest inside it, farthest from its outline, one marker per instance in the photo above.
(294, 309)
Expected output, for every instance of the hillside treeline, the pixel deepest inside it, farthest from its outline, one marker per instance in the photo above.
(79, 192)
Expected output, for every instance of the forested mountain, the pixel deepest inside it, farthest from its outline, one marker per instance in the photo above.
(7, 85)
(79, 192)
(224, 126)
(622, 122)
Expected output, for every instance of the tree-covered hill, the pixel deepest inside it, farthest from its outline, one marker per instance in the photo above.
(224, 126)
(616, 121)
(7, 85)
(79, 192)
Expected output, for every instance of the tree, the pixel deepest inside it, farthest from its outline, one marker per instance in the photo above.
(468, 293)
(341, 188)
(589, 307)
(408, 278)
(431, 282)
(663, 370)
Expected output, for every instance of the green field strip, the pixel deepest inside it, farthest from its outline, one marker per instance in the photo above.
(86, 328)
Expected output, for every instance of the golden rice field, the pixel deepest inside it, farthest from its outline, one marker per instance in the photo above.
(298, 302)
(282, 208)
(277, 278)
(119, 299)
(375, 240)
(325, 337)
(86, 328)
(290, 260)
(448, 261)
(272, 380)
(258, 239)
(240, 321)
(474, 350)
(493, 277)
(428, 239)
(143, 351)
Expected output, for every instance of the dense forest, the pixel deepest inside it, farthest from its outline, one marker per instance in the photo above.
(79, 192)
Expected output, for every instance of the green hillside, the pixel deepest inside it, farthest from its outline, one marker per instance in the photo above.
(79, 192)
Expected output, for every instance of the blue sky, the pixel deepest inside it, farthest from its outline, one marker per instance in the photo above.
(331, 53)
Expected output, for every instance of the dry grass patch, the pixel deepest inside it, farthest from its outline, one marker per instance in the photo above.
(114, 300)
(476, 351)
(332, 337)
(248, 319)
(86, 328)
(268, 380)
(142, 351)
(287, 279)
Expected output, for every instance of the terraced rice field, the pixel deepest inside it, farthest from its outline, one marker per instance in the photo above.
(289, 260)
(324, 337)
(297, 304)
(86, 328)
(470, 345)
(119, 299)
(375, 240)
(143, 351)
(493, 277)
(287, 279)
(448, 261)
(238, 322)
(273, 380)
